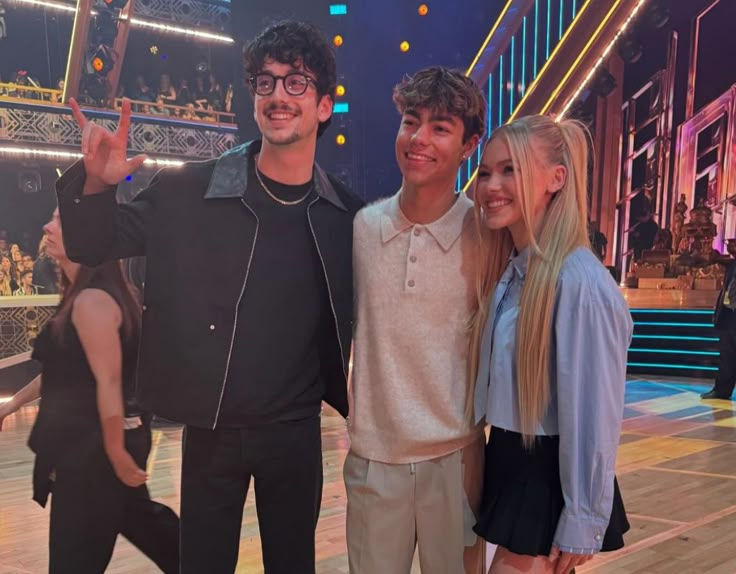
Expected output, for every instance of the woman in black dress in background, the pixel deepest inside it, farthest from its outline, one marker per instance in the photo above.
(91, 441)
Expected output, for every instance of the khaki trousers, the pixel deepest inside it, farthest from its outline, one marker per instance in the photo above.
(393, 508)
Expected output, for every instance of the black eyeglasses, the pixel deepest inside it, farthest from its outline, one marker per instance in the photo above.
(295, 83)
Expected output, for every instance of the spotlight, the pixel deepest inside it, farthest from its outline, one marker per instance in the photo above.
(201, 64)
(630, 49)
(340, 139)
(404, 46)
(423, 9)
(29, 181)
(340, 91)
(658, 13)
(106, 28)
(100, 61)
(153, 49)
(603, 83)
(338, 41)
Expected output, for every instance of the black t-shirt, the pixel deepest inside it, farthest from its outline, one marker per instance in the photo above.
(274, 372)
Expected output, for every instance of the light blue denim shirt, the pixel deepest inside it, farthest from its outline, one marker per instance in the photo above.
(591, 333)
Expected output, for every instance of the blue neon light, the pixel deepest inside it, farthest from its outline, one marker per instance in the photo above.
(574, 8)
(559, 34)
(549, 19)
(338, 9)
(340, 108)
(657, 324)
(511, 76)
(500, 90)
(490, 102)
(674, 311)
(672, 366)
(675, 352)
(536, 35)
(675, 338)
(523, 57)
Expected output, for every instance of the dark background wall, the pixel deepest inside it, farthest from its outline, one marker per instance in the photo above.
(370, 63)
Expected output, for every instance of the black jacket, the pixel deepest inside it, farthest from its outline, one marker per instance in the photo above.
(724, 318)
(192, 219)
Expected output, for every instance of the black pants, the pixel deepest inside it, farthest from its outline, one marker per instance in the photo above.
(90, 507)
(285, 461)
(726, 378)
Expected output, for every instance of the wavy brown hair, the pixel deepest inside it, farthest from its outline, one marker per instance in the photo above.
(444, 90)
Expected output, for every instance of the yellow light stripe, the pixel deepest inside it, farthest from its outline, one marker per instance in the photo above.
(488, 38)
(600, 60)
(581, 55)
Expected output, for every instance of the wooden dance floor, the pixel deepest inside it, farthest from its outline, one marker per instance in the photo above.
(676, 467)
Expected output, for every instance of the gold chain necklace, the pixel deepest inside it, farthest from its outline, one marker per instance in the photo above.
(277, 199)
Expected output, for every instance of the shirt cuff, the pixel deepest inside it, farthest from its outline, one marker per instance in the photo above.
(580, 535)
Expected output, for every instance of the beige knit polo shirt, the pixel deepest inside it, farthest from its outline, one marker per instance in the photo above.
(414, 294)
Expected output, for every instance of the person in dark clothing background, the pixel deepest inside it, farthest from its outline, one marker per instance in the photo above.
(246, 366)
(725, 322)
(90, 439)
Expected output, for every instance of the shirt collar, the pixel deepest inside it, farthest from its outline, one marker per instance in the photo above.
(445, 230)
(520, 261)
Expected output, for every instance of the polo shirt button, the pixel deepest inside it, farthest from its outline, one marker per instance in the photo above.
(77, 200)
(413, 258)
(411, 283)
(598, 537)
(417, 231)
(212, 327)
(145, 308)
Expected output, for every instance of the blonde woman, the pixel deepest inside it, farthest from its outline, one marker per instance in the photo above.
(5, 289)
(550, 342)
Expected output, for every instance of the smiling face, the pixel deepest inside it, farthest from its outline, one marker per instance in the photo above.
(430, 147)
(500, 196)
(285, 119)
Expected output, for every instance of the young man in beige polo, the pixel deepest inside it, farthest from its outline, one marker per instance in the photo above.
(414, 471)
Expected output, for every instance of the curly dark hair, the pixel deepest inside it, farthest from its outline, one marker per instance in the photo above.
(292, 42)
(443, 89)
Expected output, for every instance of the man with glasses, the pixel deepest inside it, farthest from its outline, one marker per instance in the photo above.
(244, 366)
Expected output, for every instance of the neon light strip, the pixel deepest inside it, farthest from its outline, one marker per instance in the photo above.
(488, 38)
(500, 91)
(536, 36)
(574, 8)
(676, 338)
(573, 67)
(656, 324)
(675, 352)
(490, 103)
(674, 311)
(66, 155)
(338, 9)
(511, 76)
(523, 58)
(600, 60)
(549, 19)
(137, 22)
(541, 73)
(562, 11)
(672, 366)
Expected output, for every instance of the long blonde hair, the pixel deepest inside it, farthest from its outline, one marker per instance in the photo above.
(533, 140)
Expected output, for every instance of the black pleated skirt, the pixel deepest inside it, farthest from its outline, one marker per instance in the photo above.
(522, 496)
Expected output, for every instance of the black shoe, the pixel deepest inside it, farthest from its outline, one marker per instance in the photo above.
(715, 395)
